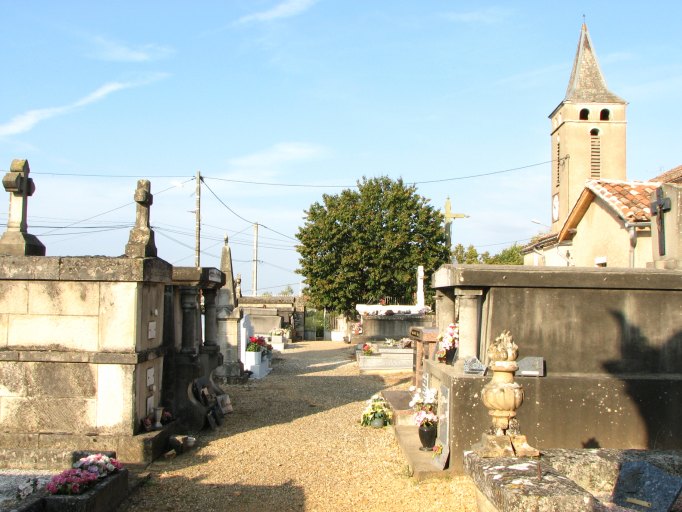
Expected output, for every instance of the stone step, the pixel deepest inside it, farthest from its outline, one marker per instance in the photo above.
(421, 464)
(399, 402)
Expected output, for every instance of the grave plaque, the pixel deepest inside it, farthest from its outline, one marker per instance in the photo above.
(643, 486)
(531, 367)
(473, 366)
(440, 458)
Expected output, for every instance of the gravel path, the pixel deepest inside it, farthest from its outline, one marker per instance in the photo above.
(294, 443)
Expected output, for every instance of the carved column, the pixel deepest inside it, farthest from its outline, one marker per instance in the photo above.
(210, 318)
(188, 302)
(445, 309)
(469, 322)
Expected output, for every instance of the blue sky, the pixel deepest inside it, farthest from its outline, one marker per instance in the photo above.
(277, 102)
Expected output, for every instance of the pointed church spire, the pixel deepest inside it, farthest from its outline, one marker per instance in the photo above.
(587, 83)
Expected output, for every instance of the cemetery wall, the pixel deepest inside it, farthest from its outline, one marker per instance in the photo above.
(612, 344)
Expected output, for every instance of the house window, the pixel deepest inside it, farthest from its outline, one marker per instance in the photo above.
(605, 115)
(584, 114)
(595, 154)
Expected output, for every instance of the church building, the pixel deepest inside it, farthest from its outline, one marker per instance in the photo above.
(598, 217)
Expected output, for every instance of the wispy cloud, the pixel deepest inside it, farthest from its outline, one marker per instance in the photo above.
(534, 77)
(279, 154)
(25, 122)
(109, 50)
(285, 9)
(485, 16)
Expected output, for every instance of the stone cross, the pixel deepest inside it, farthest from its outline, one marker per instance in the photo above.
(141, 242)
(449, 216)
(658, 208)
(20, 187)
(16, 241)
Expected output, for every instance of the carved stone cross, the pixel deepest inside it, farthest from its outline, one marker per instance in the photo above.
(16, 240)
(658, 208)
(20, 187)
(141, 242)
(144, 199)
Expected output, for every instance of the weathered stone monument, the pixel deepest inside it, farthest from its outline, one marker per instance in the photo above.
(228, 316)
(141, 243)
(610, 342)
(666, 213)
(94, 325)
(16, 240)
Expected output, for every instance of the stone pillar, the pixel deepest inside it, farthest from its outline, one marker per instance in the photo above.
(420, 286)
(188, 302)
(446, 313)
(210, 318)
(469, 322)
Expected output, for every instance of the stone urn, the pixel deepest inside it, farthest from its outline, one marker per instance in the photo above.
(502, 396)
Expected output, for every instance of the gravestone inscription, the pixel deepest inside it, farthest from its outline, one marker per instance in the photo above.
(643, 486)
(531, 367)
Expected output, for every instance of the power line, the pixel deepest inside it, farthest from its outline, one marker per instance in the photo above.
(300, 185)
(242, 218)
(104, 213)
(482, 174)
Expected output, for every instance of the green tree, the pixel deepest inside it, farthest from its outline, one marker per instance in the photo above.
(288, 291)
(509, 256)
(364, 244)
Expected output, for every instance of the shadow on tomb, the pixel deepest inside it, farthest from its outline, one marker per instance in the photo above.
(650, 370)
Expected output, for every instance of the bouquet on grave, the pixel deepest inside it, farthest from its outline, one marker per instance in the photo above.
(447, 341)
(376, 407)
(99, 464)
(258, 344)
(85, 472)
(424, 399)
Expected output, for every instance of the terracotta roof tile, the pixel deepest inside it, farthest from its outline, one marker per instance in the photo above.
(674, 175)
(628, 199)
(540, 241)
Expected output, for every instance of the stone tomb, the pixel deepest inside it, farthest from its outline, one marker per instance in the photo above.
(610, 343)
(579, 480)
(395, 358)
(80, 355)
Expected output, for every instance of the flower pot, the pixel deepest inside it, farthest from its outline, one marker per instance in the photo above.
(427, 436)
(377, 422)
(105, 496)
(252, 359)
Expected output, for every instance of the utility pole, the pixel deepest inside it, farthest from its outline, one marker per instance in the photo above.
(254, 271)
(197, 226)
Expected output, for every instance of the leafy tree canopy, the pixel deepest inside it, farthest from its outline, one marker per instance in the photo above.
(364, 244)
(509, 256)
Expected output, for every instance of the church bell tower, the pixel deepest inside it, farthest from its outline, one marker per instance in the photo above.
(587, 134)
